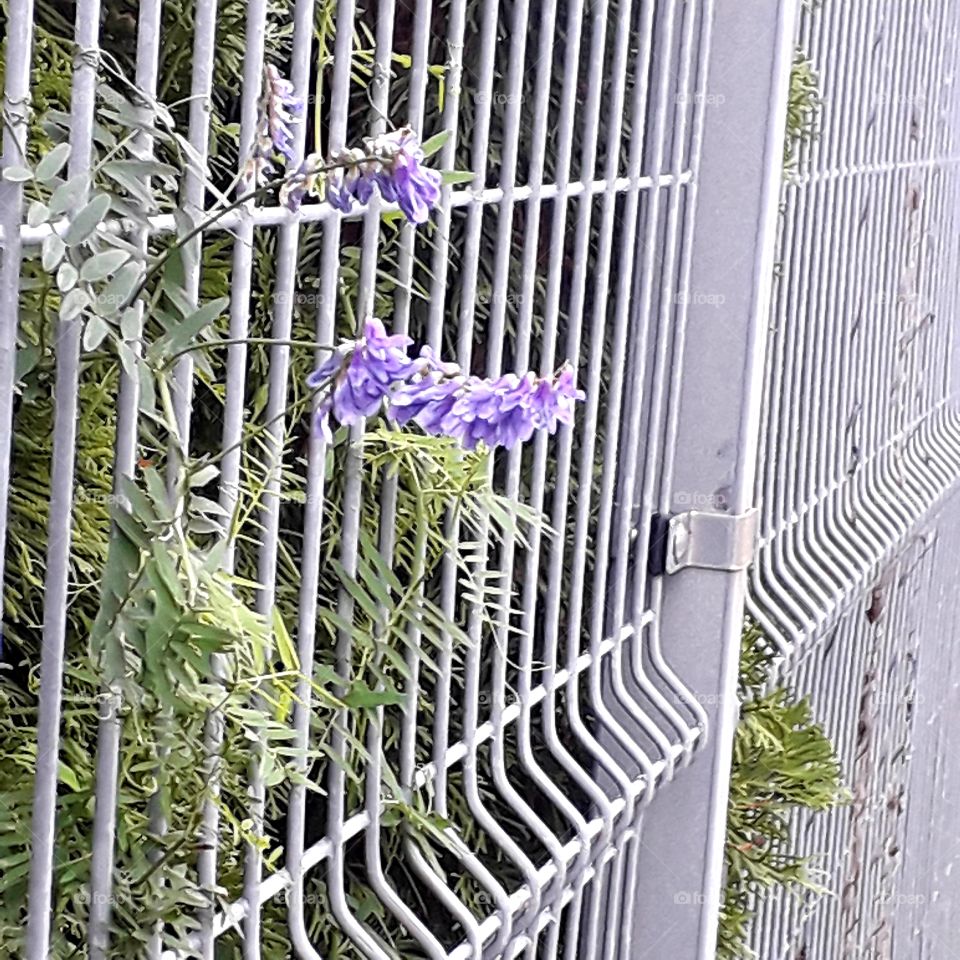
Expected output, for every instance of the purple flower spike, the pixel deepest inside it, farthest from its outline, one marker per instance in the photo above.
(363, 372)
(331, 366)
(431, 361)
(379, 362)
(279, 111)
(303, 182)
(498, 412)
(343, 181)
(426, 401)
(322, 378)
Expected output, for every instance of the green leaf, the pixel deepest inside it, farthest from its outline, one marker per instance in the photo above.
(366, 602)
(130, 325)
(87, 220)
(73, 304)
(117, 293)
(431, 146)
(52, 251)
(168, 571)
(67, 776)
(128, 359)
(373, 555)
(103, 265)
(94, 332)
(182, 335)
(27, 358)
(174, 270)
(52, 162)
(203, 476)
(134, 186)
(140, 505)
(69, 194)
(157, 490)
(457, 176)
(141, 168)
(396, 658)
(362, 697)
(67, 277)
(285, 648)
(17, 174)
(148, 389)
(37, 213)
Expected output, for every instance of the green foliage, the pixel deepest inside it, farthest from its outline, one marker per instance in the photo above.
(803, 104)
(782, 762)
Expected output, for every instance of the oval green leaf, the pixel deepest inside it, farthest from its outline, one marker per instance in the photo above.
(52, 162)
(52, 251)
(94, 332)
(72, 305)
(103, 265)
(67, 277)
(87, 220)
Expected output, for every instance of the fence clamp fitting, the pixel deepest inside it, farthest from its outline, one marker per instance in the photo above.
(711, 541)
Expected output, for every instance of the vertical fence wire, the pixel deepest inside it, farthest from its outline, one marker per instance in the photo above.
(231, 445)
(43, 825)
(16, 112)
(109, 732)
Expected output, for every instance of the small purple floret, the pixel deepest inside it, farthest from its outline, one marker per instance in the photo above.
(363, 373)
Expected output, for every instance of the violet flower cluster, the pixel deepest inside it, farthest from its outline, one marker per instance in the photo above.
(391, 163)
(374, 372)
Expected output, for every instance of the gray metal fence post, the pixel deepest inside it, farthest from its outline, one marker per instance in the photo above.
(712, 431)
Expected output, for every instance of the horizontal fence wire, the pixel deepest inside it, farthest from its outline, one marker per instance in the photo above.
(534, 747)
(858, 470)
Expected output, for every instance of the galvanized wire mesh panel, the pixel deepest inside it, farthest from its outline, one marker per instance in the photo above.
(860, 448)
(860, 430)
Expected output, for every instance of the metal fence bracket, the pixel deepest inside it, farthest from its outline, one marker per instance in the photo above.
(712, 541)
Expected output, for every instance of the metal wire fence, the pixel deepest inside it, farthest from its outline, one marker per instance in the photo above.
(859, 463)
(565, 755)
